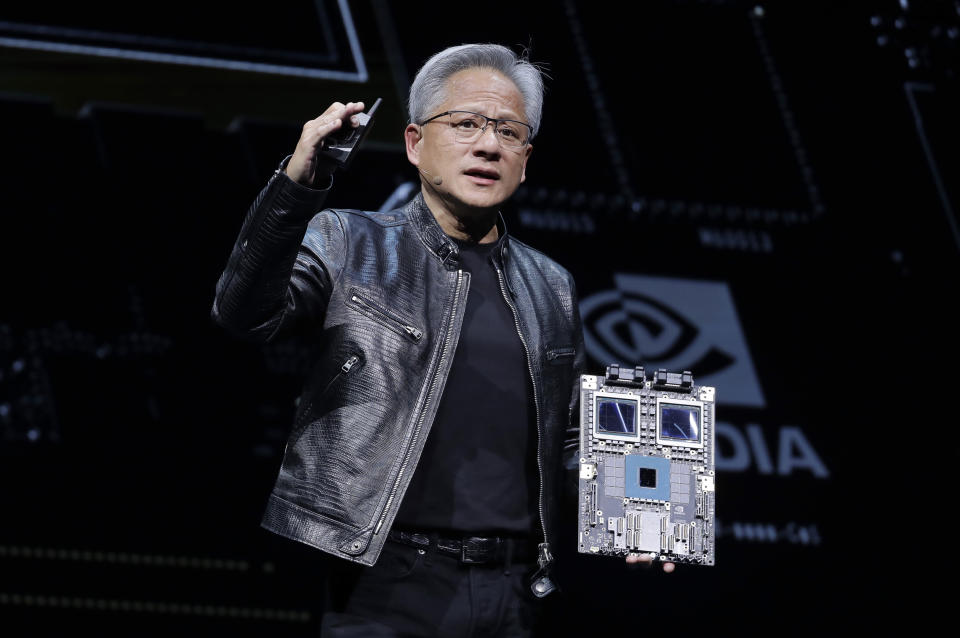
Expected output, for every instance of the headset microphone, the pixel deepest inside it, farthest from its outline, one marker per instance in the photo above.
(436, 179)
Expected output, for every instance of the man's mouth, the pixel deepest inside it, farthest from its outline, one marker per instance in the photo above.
(482, 175)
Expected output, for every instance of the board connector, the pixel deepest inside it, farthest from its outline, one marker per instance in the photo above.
(633, 377)
(678, 381)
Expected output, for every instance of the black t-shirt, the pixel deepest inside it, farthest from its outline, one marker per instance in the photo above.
(478, 471)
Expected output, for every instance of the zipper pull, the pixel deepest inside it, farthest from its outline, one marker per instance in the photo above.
(541, 582)
(413, 332)
(349, 363)
(544, 557)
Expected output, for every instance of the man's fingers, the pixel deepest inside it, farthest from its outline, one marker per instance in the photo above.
(332, 125)
(348, 112)
(331, 113)
(646, 560)
(314, 134)
(340, 110)
(336, 111)
(641, 560)
(332, 110)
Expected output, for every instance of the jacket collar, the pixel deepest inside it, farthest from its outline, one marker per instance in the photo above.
(437, 241)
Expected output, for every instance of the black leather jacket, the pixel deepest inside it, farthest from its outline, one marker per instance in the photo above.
(382, 297)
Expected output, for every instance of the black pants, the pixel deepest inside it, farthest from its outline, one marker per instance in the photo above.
(417, 592)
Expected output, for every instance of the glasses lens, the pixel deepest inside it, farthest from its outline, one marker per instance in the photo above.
(513, 133)
(466, 125)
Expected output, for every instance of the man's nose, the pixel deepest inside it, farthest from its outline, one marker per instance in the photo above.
(488, 140)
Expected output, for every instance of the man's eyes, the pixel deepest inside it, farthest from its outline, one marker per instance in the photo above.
(504, 130)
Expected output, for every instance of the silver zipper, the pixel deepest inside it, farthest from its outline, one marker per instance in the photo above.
(560, 352)
(410, 331)
(544, 554)
(426, 404)
(349, 363)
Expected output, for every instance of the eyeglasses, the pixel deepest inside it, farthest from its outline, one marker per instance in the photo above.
(468, 126)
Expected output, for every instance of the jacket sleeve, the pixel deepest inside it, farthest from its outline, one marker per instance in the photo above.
(283, 263)
(571, 443)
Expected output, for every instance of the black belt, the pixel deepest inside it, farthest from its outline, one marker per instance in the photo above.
(472, 550)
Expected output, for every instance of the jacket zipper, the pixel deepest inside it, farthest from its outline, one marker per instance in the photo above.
(345, 369)
(543, 555)
(426, 404)
(413, 333)
(560, 352)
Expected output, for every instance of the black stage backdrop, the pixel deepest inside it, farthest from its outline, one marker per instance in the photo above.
(763, 193)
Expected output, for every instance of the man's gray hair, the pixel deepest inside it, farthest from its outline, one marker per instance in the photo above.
(428, 90)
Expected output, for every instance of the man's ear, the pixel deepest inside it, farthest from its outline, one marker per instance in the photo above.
(412, 139)
(526, 155)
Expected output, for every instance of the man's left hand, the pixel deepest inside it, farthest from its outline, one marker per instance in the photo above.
(646, 560)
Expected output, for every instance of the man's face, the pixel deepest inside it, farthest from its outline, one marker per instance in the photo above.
(480, 174)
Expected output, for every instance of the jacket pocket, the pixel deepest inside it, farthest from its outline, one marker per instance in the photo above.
(559, 356)
(400, 326)
(349, 365)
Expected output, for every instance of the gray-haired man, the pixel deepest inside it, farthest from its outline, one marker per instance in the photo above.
(428, 439)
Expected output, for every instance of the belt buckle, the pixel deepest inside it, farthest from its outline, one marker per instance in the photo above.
(476, 551)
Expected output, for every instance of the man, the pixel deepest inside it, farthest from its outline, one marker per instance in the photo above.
(427, 441)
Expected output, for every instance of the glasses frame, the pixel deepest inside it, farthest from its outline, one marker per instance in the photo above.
(496, 128)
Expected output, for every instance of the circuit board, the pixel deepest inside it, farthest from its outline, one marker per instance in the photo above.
(647, 466)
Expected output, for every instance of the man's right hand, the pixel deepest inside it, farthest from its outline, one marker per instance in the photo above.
(304, 165)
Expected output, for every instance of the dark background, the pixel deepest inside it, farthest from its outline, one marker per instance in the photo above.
(801, 156)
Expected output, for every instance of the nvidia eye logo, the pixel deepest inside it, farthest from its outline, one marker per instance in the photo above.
(682, 324)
